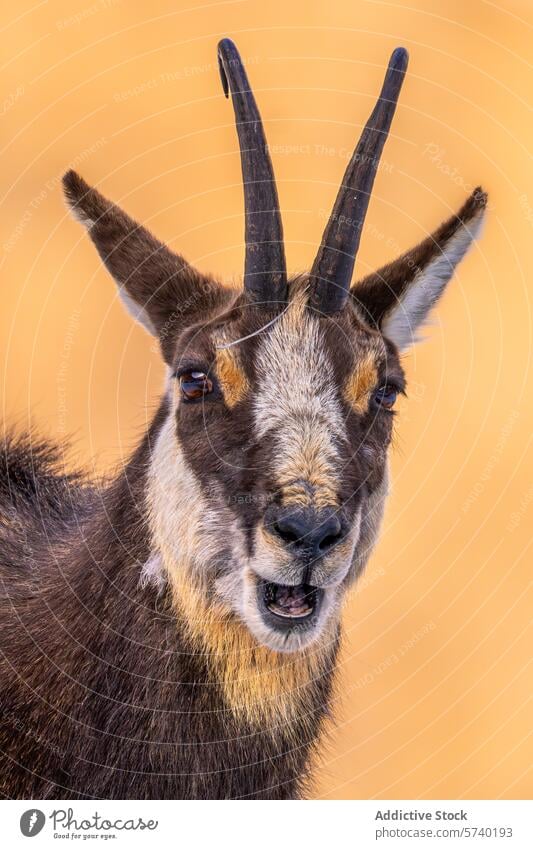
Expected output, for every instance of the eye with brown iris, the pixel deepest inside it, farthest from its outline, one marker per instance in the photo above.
(385, 396)
(195, 385)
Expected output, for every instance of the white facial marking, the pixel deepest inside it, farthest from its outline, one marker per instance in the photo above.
(187, 526)
(296, 398)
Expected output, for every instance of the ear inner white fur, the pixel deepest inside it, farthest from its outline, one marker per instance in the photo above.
(136, 311)
(411, 310)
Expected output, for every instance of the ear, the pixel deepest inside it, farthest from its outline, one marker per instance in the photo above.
(398, 297)
(158, 287)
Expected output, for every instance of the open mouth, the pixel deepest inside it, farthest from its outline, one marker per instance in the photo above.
(288, 606)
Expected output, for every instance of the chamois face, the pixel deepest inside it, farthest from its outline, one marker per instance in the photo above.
(283, 418)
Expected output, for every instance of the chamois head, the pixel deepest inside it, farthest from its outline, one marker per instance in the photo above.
(268, 476)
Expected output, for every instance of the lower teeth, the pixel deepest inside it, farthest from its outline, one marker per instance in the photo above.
(290, 614)
(292, 606)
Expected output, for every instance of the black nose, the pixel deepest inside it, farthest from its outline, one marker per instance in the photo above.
(305, 529)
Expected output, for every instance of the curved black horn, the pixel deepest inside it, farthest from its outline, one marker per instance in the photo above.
(265, 275)
(333, 267)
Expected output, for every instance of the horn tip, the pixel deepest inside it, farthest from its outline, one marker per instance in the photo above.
(225, 45)
(222, 45)
(399, 59)
(228, 55)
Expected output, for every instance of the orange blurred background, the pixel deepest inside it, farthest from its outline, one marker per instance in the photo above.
(434, 692)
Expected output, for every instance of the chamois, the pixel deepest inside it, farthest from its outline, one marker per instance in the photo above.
(173, 633)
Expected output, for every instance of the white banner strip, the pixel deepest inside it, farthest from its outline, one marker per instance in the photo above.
(269, 825)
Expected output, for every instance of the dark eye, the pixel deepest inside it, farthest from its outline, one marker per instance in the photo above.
(195, 384)
(386, 396)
